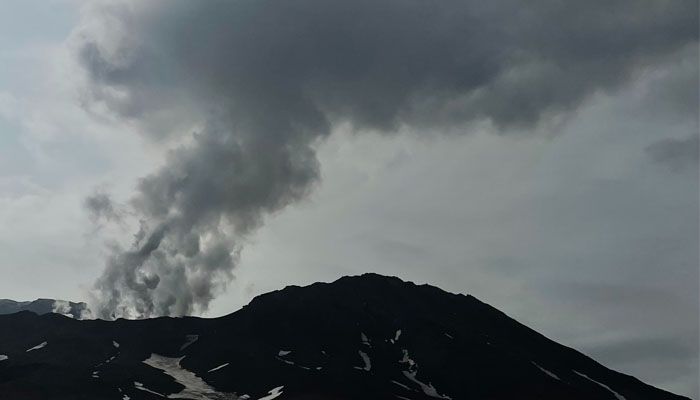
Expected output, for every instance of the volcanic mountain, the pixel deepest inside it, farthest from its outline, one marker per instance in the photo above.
(363, 337)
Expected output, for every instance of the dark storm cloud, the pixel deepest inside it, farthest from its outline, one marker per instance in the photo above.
(265, 80)
(676, 154)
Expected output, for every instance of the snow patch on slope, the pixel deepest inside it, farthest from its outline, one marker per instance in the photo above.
(274, 393)
(618, 396)
(411, 373)
(139, 386)
(397, 335)
(365, 358)
(427, 388)
(37, 347)
(124, 397)
(549, 373)
(365, 339)
(219, 367)
(195, 387)
(407, 359)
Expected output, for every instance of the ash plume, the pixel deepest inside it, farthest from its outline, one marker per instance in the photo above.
(101, 207)
(262, 82)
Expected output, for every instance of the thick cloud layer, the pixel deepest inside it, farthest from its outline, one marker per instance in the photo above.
(260, 82)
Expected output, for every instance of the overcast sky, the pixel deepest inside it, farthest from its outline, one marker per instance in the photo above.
(566, 197)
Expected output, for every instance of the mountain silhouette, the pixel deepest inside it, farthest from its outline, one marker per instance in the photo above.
(361, 337)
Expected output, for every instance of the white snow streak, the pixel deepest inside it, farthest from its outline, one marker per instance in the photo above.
(286, 361)
(549, 373)
(3, 357)
(139, 386)
(401, 384)
(618, 396)
(37, 347)
(219, 367)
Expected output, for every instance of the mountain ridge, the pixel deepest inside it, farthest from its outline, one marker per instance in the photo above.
(41, 306)
(359, 337)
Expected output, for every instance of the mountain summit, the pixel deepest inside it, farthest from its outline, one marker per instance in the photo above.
(363, 337)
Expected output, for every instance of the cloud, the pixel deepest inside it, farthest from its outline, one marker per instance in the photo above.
(676, 154)
(262, 82)
(645, 351)
(101, 207)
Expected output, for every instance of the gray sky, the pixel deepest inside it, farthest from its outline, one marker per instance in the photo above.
(583, 225)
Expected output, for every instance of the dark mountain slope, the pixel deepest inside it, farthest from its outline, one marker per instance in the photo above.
(366, 337)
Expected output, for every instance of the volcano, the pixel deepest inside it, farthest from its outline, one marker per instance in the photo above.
(361, 337)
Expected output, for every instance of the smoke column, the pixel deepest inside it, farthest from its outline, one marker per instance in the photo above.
(261, 82)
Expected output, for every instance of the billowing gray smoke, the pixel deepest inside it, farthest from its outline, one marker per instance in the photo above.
(262, 81)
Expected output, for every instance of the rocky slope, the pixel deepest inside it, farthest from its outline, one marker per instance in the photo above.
(365, 337)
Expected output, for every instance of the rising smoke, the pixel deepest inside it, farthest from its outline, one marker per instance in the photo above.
(261, 82)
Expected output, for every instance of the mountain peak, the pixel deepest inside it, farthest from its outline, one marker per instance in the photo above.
(366, 336)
